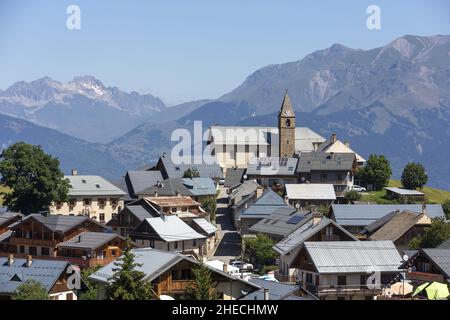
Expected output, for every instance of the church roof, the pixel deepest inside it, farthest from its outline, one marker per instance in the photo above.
(286, 106)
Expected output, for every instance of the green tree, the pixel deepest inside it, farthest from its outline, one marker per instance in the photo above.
(433, 236)
(352, 196)
(31, 290)
(259, 250)
(414, 176)
(210, 205)
(191, 173)
(33, 177)
(127, 283)
(203, 287)
(376, 172)
(446, 207)
(91, 292)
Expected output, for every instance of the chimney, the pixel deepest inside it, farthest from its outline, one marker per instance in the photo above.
(74, 172)
(178, 193)
(225, 267)
(29, 261)
(266, 294)
(156, 193)
(424, 209)
(316, 145)
(316, 218)
(10, 260)
(347, 144)
(333, 138)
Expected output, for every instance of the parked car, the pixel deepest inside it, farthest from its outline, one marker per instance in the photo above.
(241, 265)
(359, 188)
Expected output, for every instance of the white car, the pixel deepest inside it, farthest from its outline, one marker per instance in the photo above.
(242, 265)
(359, 188)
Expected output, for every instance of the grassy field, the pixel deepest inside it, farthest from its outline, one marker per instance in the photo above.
(432, 195)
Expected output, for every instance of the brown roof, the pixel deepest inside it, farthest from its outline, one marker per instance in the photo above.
(174, 201)
(399, 225)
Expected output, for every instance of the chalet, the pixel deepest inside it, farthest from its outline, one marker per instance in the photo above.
(171, 274)
(38, 235)
(92, 248)
(272, 171)
(428, 265)
(347, 270)
(90, 196)
(168, 233)
(198, 189)
(405, 195)
(184, 207)
(241, 198)
(305, 195)
(333, 145)
(356, 217)
(268, 203)
(52, 275)
(399, 227)
(310, 227)
(209, 230)
(337, 169)
(8, 218)
(131, 216)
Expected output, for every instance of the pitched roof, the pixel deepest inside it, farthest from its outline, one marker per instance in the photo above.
(139, 180)
(139, 212)
(205, 225)
(246, 188)
(265, 205)
(272, 166)
(405, 192)
(200, 186)
(171, 228)
(279, 223)
(354, 256)
(307, 228)
(184, 186)
(92, 186)
(46, 272)
(310, 191)
(277, 290)
(234, 177)
(89, 240)
(59, 222)
(396, 227)
(365, 214)
(173, 201)
(322, 161)
(9, 216)
(330, 146)
(205, 170)
(445, 244)
(441, 258)
(155, 262)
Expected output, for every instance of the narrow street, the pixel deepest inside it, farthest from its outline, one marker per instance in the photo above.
(230, 243)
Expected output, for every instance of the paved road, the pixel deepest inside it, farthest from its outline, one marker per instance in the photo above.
(230, 244)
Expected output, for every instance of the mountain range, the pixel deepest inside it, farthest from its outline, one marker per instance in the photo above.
(393, 100)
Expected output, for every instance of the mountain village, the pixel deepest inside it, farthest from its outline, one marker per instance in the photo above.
(280, 215)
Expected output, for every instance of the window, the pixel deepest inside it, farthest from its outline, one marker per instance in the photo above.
(424, 266)
(101, 202)
(184, 209)
(339, 177)
(45, 251)
(22, 249)
(102, 217)
(342, 280)
(175, 245)
(173, 210)
(113, 253)
(309, 278)
(194, 243)
(113, 202)
(323, 177)
(87, 202)
(33, 250)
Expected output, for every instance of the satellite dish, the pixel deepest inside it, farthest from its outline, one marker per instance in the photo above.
(405, 257)
(297, 205)
(245, 177)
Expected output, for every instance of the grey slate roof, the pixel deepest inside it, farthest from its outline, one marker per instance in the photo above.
(9, 216)
(272, 166)
(233, 177)
(205, 170)
(354, 256)
(139, 180)
(59, 223)
(92, 186)
(268, 203)
(277, 223)
(185, 186)
(365, 214)
(46, 272)
(441, 258)
(155, 262)
(277, 290)
(445, 244)
(405, 192)
(89, 240)
(139, 212)
(397, 226)
(305, 231)
(245, 189)
(322, 161)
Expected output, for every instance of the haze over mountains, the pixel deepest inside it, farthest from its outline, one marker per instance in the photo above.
(393, 100)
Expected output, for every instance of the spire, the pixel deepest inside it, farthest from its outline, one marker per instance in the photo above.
(286, 106)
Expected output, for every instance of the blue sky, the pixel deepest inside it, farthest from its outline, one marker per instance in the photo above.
(191, 49)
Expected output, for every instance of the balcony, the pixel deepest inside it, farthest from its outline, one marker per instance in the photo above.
(344, 290)
(425, 276)
(285, 278)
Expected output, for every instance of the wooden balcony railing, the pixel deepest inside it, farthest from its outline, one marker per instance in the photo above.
(285, 278)
(344, 289)
(425, 276)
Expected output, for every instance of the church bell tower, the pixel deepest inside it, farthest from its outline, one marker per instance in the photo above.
(286, 128)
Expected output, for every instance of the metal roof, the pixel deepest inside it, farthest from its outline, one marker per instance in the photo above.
(233, 177)
(354, 256)
(200, 186)
(272, 166)
(445, 244)
(205, 225)
(139, 212)
(246, 188)
(46, 272)
(277, 290)
(310, 191)
(92, 186)
(276, 223)
(184, 186)
(365, 214)
(89, 240)
(441, 258)
(265, 205)
(140, 180)
(307, 228)
(405, 192)
(59, 222)
(396, 227)
(171, 228)
(205, 170)
(322, 161)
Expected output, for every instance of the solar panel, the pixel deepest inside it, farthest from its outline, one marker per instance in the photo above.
(295, 219)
